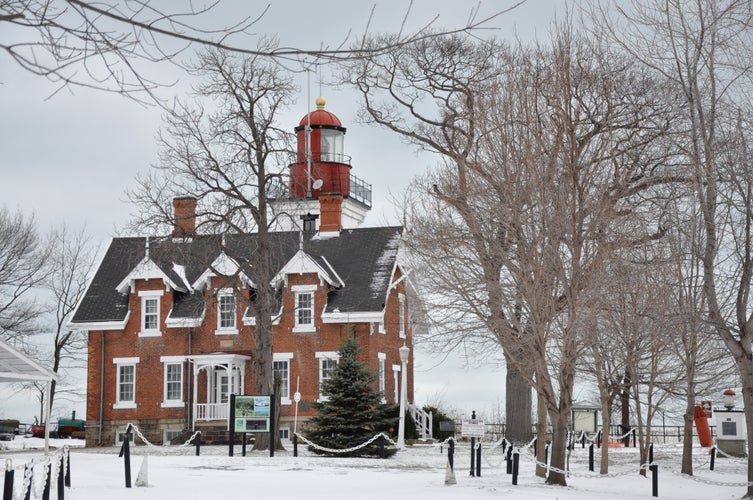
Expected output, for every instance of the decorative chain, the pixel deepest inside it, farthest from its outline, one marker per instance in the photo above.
(706, 481)
(346, 450)
(162, 450)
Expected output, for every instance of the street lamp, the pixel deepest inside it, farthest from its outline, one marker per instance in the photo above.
(404, 352)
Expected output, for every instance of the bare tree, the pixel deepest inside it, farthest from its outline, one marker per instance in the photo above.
(71, 262)
(23, 256)
(227, 159)
(110, 45)
(549, 165)
(704, 49)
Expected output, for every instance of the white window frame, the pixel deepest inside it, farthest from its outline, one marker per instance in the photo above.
(299, 290)
(324, 356)
(396, 376)
(172, 361)
(284, 357)
(284, 433)
(166, 435)
(120, 437)
(401, 314)
(382, 374)
(123, 362)
(147, 295)
(226, 330)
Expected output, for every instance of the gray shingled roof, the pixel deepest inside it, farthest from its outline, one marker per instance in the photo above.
(363, 258)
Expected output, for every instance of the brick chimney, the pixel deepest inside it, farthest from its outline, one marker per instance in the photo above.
(184, 210)
(330, 208)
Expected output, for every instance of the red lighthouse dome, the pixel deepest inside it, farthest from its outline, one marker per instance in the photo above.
(321, 165)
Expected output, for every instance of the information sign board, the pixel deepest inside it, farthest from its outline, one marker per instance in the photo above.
(472, 428)
(251, 413)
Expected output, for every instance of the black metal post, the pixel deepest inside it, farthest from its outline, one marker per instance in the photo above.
(68, 468)
(504, 446)
(381, 446)
(713, 456)
(546, 454)
(515, 467)
(295, 444)
(46, 490)
(654, 479)
(197, 442)
(272, 428)
(598, 439)
(591, 457)
(125, 453)
(473, 456)
(478, 458)
(243, 445)
(582, 440)
(651, 453)
(8, 484)
(634, 441)
(231, 425)
(451, 454)
(509, 460)
(61, 478)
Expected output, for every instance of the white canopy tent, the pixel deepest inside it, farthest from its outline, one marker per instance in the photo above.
(18, 367)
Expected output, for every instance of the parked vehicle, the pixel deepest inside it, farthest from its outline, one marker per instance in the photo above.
(7, 433)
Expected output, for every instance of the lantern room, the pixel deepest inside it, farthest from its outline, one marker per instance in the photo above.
(321, 164)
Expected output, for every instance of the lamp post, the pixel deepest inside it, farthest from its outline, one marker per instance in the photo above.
(404, 352)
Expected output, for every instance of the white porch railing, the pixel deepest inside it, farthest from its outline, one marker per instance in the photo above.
(423, 421)
(211, 411)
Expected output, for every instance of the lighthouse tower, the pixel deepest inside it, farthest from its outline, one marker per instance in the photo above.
(322, 194)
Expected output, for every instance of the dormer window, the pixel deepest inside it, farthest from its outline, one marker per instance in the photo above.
(150, 313)
(304, 308)
(226, 313)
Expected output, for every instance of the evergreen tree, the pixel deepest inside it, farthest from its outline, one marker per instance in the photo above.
(352, 411)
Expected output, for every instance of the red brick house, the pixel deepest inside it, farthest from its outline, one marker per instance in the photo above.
(169, 338)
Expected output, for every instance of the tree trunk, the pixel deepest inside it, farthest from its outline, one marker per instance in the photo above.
(518, 406)
(606, 422)
(625, 407)
(558, 450)
(687, 430)
(745, 366)
(541, 435)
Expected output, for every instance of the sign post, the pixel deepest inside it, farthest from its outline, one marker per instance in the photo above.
(251, 414)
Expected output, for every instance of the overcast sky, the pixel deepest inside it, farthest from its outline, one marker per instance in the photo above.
(69, 158)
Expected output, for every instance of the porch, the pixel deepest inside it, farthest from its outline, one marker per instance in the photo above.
(215, 377)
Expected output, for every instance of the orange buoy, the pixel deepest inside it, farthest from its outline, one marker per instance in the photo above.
(702, 426)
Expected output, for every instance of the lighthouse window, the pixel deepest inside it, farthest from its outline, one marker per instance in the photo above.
(332, 145)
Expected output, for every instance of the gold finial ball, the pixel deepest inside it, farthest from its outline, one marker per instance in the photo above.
(320, 102)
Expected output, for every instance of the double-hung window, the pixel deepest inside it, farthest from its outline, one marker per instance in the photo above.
(281, 367)
(327, 365)
(382, 373)
(304, 308)
(226, 313)
(125, 389)
(150, 313)
(173, 381)
(401, 314)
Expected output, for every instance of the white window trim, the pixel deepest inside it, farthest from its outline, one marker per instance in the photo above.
(396, 375)
(224, 292)
(284, 356)
(118, 362)
(151, 294)
(321, 355)
(300, 289)
(165, 441)
(172, 360)
(401, 314)
(119, 440)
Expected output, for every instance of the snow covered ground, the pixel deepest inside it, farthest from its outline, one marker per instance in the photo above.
(418, 472)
